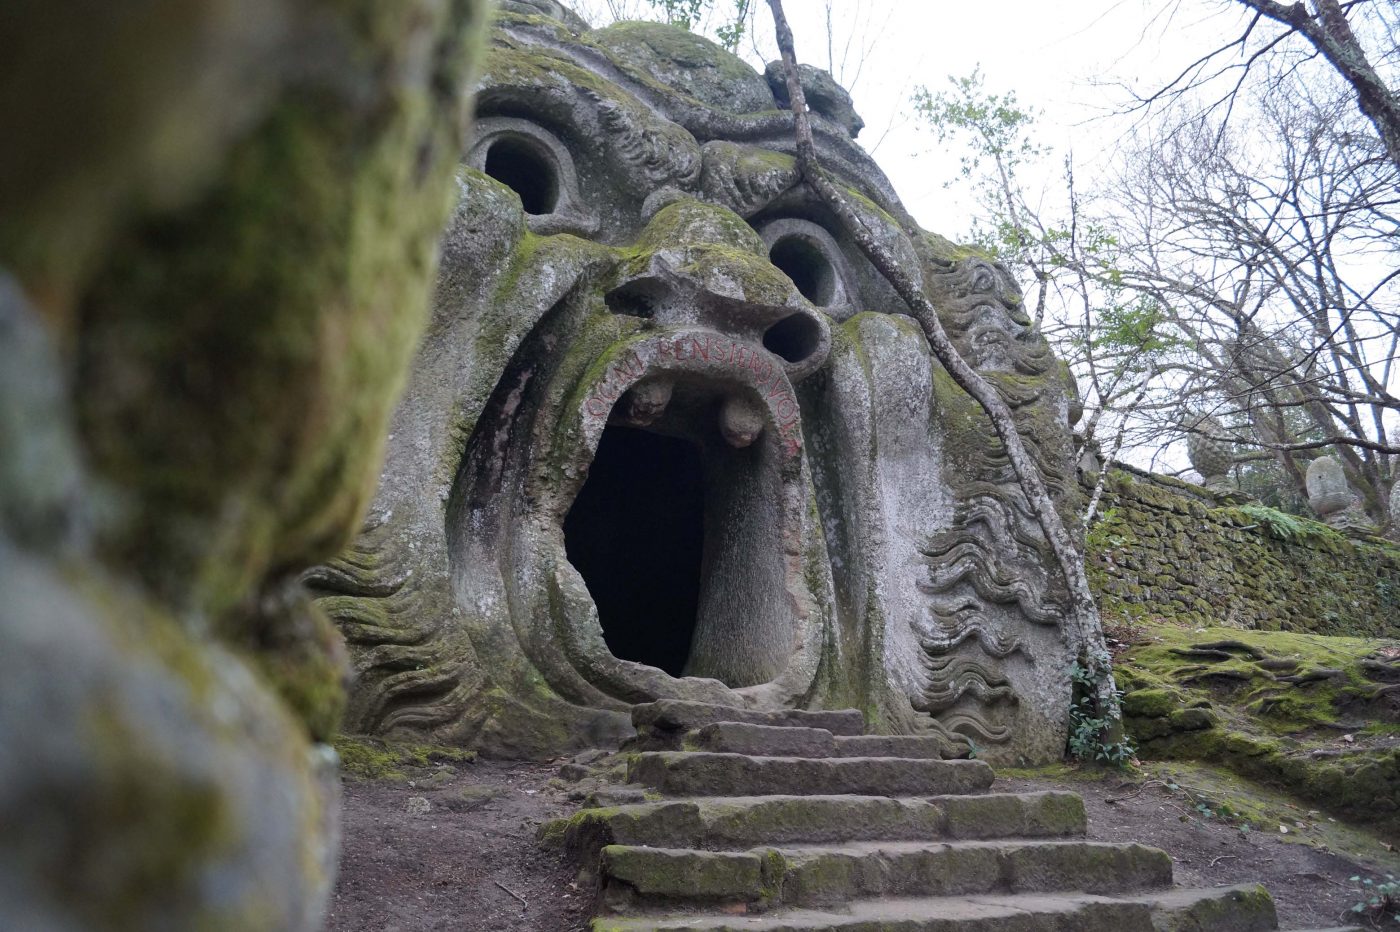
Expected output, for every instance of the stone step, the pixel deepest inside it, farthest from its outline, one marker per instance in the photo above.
(674, 717)
(708, 774)
(1222, 909)
(762, 740)
(930, 747)
(807, 876)
(747, 822)
(791, 741)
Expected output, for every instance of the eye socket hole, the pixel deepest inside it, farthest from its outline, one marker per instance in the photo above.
(806, 264)
(794, 338)
(520, 166)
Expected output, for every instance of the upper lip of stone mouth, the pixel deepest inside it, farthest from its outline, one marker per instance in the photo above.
(680, 380)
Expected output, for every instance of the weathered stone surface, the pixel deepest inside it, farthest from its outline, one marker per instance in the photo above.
(217, 231)
(1260, 703)
(764, 740)
(1228, 909)
(822, 876)
(748, 821)
(671, 436)
(701, 876)
(787, 741)
(1244, 908)
(1031, 815)
(965, 860)
(1234, 566)
(672, 715)
(932, 747)
(1394, 529)
(704, 774)
(1209, 454)
(1328, 492)
(824, 96)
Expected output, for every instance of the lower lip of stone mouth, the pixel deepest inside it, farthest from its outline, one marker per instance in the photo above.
(677, 531)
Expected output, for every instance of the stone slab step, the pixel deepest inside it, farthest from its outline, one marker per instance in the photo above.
(707, 774)
(680, 715)
(930, 747)
(791, 741)
(819, 875)
(751, 821)
(1222, 909)
(762, 740)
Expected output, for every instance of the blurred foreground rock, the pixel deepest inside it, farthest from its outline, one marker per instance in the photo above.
(217, 230)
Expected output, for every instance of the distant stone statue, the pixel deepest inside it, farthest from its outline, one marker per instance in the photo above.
(670, 435)
(1208, 452)
(1329, 495)
(1393, 530)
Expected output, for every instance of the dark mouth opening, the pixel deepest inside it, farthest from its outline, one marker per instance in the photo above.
(677, 535)
(636, 535)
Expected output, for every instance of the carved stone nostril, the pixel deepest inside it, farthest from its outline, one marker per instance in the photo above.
(794, 338)
(638, 298)
(646, 402)
(740, 421)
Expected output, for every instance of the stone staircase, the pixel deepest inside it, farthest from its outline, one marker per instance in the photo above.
(797, 822)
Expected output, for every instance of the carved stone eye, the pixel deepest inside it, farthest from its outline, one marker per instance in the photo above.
(803, 261)
(520, 164)
(806, 253)
(533, 163)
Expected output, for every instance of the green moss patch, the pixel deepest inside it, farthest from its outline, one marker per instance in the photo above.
(1316, 716)
(1169, 551)
(373, 759)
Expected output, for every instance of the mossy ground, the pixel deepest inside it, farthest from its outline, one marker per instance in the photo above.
(1311, 715)
(372, 759)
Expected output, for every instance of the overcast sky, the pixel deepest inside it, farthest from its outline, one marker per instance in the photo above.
(1066, 59)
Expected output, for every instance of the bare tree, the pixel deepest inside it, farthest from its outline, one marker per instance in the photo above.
(1336, 32)
(1105, 330)
(1244, 265)
(1276, 267)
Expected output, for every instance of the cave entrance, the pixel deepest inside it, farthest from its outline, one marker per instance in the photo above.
(636, 533)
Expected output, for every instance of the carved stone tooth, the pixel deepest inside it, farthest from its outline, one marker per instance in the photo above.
(740, 421)
(647, 401)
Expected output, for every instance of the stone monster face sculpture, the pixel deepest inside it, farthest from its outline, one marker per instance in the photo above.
(670, 435)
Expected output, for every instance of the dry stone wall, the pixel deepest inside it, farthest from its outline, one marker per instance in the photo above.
(1168, 549)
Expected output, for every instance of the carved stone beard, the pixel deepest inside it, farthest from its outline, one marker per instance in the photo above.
(669, 436)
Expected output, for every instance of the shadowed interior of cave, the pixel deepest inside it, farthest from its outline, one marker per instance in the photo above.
(636, 535)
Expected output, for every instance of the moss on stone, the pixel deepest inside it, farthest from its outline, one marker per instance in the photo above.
(1268, 706)
(237, 360)
(1167, 550)
(678, 62)
(375, 759)
(1151, 703)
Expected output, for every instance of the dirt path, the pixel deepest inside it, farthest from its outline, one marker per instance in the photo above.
(1310, 884)
(467, 862)
(463, 865)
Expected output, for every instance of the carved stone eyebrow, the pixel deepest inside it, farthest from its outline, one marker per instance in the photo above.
(530, 82)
